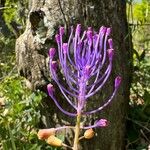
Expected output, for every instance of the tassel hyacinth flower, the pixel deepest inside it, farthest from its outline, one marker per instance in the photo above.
(85, 61)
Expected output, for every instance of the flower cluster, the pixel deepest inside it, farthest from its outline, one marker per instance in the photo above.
(85, 61)
(81, 61)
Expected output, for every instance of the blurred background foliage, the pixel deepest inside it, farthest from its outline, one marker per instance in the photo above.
(138, 124)
(19, 106)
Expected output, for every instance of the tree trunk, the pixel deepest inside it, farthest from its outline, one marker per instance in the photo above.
(32, 57)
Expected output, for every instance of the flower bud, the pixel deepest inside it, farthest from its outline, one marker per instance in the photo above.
(65, 48)
(54, 141)
(102, 30)
(117, 81)
(88, 134)
(110, 54)
(89, 28)
(102, 123)
(110, 42)
(52, 52)
(57, 38)
(45, 133)
(78, 29)
(108, 31)
(61, 31)
(50, 89)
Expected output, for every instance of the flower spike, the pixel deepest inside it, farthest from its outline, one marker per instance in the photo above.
(83, 67)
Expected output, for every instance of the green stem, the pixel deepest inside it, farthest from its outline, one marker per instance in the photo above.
(77, 132)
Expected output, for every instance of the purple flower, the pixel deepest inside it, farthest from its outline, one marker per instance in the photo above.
(102, 123)
(99, 124)
(52, 52)
(50, 89)
(81, 61)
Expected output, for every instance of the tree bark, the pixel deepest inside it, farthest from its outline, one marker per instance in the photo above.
(32, 46)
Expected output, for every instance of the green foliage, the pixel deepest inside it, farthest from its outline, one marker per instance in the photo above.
(19, 115)
(10, 13)
(15, 13)
(141, 11)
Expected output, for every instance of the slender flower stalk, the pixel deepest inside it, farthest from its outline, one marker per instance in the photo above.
(85, 61)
